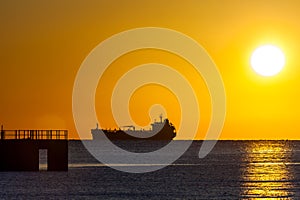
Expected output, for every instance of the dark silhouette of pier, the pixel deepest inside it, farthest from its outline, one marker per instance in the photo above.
(19, 149)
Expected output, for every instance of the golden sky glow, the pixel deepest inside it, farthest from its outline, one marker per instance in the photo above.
(43, 44)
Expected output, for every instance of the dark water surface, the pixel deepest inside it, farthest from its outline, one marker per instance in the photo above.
(233, 170)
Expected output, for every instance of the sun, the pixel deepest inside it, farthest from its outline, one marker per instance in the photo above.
(267, 60)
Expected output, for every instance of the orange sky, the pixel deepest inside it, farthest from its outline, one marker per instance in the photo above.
(43, 44)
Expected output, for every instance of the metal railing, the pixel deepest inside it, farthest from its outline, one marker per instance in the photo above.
(34, 134)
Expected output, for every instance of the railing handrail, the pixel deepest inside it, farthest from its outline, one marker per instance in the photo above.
(36, 129)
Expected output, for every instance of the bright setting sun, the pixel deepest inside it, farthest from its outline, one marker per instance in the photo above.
(267, 60)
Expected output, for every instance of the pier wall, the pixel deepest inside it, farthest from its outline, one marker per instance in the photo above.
(23, 155)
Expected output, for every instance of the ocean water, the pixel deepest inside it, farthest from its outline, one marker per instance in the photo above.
(233, 170)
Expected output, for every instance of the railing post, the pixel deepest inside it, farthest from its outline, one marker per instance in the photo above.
(2, 133)
(65, 134)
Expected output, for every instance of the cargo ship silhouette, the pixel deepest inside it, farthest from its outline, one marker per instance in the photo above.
(162, 130)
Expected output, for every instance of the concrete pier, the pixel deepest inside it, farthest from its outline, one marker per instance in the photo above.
(19, 149)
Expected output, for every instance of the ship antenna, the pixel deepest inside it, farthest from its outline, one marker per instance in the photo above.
(160, 116)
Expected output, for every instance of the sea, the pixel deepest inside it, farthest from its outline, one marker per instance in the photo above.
(259, 169)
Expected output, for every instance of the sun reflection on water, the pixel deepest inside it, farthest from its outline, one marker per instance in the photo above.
(267, 172)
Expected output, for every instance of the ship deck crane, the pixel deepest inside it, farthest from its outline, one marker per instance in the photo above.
(133, 127)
